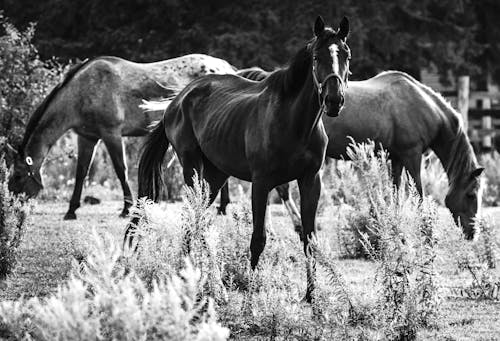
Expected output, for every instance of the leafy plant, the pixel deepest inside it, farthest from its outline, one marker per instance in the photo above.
(13, 215)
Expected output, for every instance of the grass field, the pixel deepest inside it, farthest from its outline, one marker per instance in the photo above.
(50, 244)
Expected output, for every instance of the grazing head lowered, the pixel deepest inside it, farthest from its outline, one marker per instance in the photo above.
(464, 200)
(25, 179)
(330, 68)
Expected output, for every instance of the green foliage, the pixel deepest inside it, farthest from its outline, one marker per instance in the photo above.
(402, 34)
(403, 227)
(24, 80)
(13, 215)
(434, 179)
(478, 259)
(102, 301)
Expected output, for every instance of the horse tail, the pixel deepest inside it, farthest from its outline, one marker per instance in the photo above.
(150, 173)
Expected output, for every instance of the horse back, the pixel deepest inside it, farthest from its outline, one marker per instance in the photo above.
(391, 109)
(109, 90)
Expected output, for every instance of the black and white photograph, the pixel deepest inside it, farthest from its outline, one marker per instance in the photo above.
(249, 170)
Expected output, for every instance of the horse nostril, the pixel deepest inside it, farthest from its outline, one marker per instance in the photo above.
(335, 101)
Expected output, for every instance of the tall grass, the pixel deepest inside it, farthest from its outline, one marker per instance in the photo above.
(395, 228)
(104, 300)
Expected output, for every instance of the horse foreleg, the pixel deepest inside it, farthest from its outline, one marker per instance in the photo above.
(413, 163)
(260, 192)
(284, 193)
(116, 149)
(310, 190)
(86, 150)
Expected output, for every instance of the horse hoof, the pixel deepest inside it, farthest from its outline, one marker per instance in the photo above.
(70, 216)
(124, 214)
(221, 211)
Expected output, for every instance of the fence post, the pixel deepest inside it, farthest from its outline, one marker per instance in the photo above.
(463, 98)
(487, 125)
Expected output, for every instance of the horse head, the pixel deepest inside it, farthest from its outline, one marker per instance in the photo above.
(464, 201)
(330, 66)
(24, 179)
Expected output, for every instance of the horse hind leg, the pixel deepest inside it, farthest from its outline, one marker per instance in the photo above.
(397, 170)
(224, 199)
(86, 150)
(114, 144)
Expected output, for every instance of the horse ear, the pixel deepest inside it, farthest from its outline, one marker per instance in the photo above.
(476, 173)
(343, 28)
(319, 26)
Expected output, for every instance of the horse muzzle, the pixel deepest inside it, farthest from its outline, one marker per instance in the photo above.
(333, 105)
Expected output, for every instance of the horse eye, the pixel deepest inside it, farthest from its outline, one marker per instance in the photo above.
(471, 195)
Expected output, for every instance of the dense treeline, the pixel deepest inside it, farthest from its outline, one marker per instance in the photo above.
(457, 35)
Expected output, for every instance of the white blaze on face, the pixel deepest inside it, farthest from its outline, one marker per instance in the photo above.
(334, 52)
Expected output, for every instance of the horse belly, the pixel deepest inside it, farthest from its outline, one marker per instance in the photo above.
(358, 127)
(230, 158)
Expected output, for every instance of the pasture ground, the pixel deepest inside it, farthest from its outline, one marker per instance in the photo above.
(50, 244)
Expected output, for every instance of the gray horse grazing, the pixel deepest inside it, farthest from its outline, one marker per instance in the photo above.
(407, 118)
(99, 99)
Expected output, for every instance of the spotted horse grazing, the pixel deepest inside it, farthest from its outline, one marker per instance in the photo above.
(99, 99)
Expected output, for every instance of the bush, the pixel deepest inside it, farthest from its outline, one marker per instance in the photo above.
(434, 178)
(478, 259)
(404, 250)
(102, 301)
(13, 216)
(24, 80)
(395, 228)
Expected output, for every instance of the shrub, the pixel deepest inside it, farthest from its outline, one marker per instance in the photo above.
(24, 80)
(200, 238)
(13, 216)
(102, 301)
(478, 259)
(434, 178)
(396, 229)
(405, 253)
(369, 174)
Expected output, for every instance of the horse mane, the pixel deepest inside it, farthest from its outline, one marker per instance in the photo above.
(40, 110)
(462, 159)
(291, 77)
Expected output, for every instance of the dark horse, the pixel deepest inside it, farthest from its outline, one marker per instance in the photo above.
(99, 99)
(407, 118)
(267, 132)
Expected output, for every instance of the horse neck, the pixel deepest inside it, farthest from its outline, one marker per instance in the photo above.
(52, 125)
(455, 153)
(297, 91)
